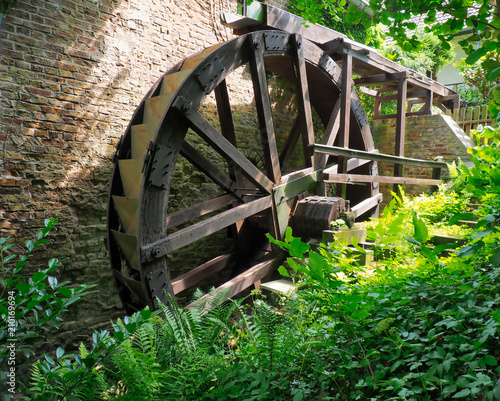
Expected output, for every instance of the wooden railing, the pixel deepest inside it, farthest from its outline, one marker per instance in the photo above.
(470, 118)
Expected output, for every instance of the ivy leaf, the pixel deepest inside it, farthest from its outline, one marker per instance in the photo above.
(460, 216)
(462, 393)
(283, 271)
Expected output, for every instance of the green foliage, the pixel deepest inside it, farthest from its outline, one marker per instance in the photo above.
(31, 305)
(483, 181)
(335, 15)
(423, 334)
(5, 6)
(429, 55)
(477, 89)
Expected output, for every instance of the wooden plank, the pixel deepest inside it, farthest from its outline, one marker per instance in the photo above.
(366, 205)
(400, 126)
(210, 169)
(357, 178)
(410, 95)
(351, 165)
(202, 229)
(368, 91)
(243, 280)
(381, 78)
(204, 129)
(201, 272)
(412, 114)
(200, 209)
(331, 133)
(264, 110)
(375, 156)
(303, 100)
(345, 114)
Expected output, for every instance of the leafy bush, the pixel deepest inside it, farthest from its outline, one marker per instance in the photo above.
(421, 334)
(31, 306)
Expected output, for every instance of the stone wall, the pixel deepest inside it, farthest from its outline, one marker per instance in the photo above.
(427, 138)
(71, 74)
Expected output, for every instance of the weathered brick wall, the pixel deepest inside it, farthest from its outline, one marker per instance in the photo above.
(71, 74)
(427, 138)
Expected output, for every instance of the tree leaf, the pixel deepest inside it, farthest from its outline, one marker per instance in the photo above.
(475, 56)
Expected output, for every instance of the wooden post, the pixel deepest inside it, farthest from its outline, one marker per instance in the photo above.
(345, 115)
(400, 127)
(429, 98)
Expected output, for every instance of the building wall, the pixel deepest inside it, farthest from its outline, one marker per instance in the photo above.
(71, 74)
(427, 138)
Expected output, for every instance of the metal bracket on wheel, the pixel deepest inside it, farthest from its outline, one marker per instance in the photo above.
(210, 73)
(276, 41)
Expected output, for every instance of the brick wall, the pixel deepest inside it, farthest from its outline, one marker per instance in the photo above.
(71, 74)
(427, 137)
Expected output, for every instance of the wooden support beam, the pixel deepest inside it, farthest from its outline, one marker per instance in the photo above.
(304, 104)
(331, 133)
(202, 229)
(358, 178)
(375, 156)
(345, 113)
(381, 78)
(201, 272)
(264, 110)
(400, 126)
(289, 146)
(210, 169)
(242, 281)
(198, 210)
(366, 205)
(368, 91)
(429, 99)
(205, 130)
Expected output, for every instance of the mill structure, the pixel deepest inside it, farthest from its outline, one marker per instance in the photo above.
(154, 239)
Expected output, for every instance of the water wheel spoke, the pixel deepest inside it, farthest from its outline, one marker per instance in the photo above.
(201, 272)
(304, 103)
(204, 228)
(198, 210)
(210, 169)
(332, 129)
(264, 113)
(244, 280)
(215, 139)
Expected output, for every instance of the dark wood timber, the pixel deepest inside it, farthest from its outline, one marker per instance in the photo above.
(200, 209)
(305, 116)
(345, 114)
(210, 169)
(202, 229)
(242, 281)
(264, 111)
(356, 178)
(400, 126)
(367, 205)
(201, 272)
(380, 157)
(204, 129)
(290, 143)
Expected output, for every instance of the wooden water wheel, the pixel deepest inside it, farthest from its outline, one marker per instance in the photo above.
(165, 236)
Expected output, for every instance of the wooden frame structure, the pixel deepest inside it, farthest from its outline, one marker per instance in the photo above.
(399, 83)
(251, 200)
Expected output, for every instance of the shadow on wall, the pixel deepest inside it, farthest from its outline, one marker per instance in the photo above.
(71, 74)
